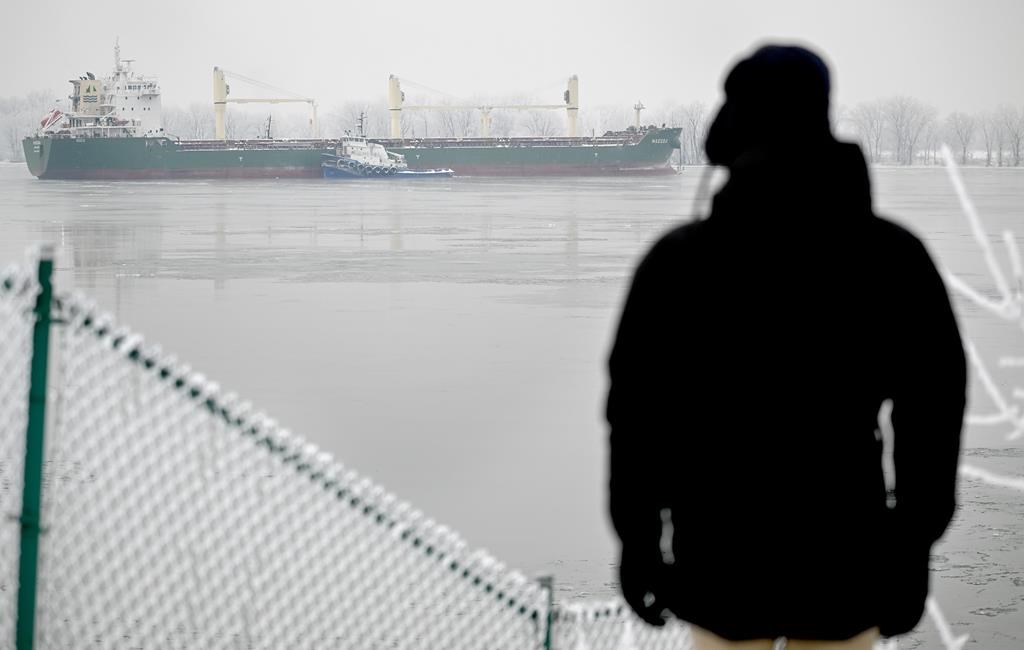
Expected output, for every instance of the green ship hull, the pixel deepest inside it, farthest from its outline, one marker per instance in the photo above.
(68, 157)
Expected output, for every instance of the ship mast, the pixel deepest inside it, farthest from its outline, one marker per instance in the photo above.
(639, 106)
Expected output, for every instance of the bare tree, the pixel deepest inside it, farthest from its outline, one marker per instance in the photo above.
(661, 115)
(695, 123)
(1012, 123)
(897, 115)
(377, 124)
(14, 134)
(352, 115)
(19, 118)
(421, 127)
(503, 124)
(1000, 137)
(200, 121)
(930, 140)
(606, 118)
(446, 123)
(961, 126)
(907, 119)
(842, 122)
(15, 127)
(175, 121)
(457, 122)
(540, 123)
(868, 119)
(989, 127)
(231, 125)
(922, 129)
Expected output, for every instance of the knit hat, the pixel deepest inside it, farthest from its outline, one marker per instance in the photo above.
(778, 97)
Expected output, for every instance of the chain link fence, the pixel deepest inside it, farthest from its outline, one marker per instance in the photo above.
(175, 515)
(17, 298)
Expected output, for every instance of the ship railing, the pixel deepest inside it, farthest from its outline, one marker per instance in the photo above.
(616, 140)
(450, 143)
(255, 144)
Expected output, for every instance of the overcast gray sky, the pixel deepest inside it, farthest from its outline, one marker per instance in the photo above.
(953, 54)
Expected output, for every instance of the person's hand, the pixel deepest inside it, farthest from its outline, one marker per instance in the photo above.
(642, 575)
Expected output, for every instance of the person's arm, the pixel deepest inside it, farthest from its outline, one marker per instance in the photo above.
(636, 495)
(929, 397)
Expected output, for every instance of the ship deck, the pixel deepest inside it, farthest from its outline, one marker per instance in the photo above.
(610, 140)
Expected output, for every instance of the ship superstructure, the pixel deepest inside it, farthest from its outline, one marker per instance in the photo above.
(121, 105)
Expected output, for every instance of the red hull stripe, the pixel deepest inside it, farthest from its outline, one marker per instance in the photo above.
(170, 174)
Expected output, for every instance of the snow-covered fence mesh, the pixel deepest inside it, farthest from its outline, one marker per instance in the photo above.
(17, 297)
(176, 515)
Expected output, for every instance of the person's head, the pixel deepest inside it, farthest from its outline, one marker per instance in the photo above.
(775, 99)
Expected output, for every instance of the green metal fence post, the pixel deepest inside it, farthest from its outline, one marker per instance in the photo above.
(548, 584)
(33, 486)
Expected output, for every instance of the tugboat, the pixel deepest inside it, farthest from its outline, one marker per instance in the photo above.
(356, 157)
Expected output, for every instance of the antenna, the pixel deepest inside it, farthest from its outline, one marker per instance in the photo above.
(117, 53)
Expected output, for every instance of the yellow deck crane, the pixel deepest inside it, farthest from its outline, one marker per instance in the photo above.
(221, 100)
(396, 104)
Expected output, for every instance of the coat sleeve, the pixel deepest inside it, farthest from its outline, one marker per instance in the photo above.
(929, 398)
(636, 495)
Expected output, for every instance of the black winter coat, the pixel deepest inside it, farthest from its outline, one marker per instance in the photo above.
(753, 354)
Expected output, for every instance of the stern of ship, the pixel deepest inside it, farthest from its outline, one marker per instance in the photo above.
(37, 154)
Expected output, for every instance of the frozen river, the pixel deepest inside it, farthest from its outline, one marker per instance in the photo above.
(448, 338)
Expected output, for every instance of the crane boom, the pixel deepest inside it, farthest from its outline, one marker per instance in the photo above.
(477, 107)
(396, 104)
(221, 100)
(271, 100)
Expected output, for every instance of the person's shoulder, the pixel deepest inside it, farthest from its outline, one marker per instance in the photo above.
(897, 237)
(886, 227)
(671, 250)
(677, 240)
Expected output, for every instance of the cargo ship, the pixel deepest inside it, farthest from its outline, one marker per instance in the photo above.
(113, 130)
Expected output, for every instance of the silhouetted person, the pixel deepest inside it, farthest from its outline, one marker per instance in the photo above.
(754, 352)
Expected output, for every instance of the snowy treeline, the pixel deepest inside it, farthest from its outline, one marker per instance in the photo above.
(20, 116)
(905, 131)
(897, 130)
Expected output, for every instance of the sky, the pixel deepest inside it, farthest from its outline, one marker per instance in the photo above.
(955, 55)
